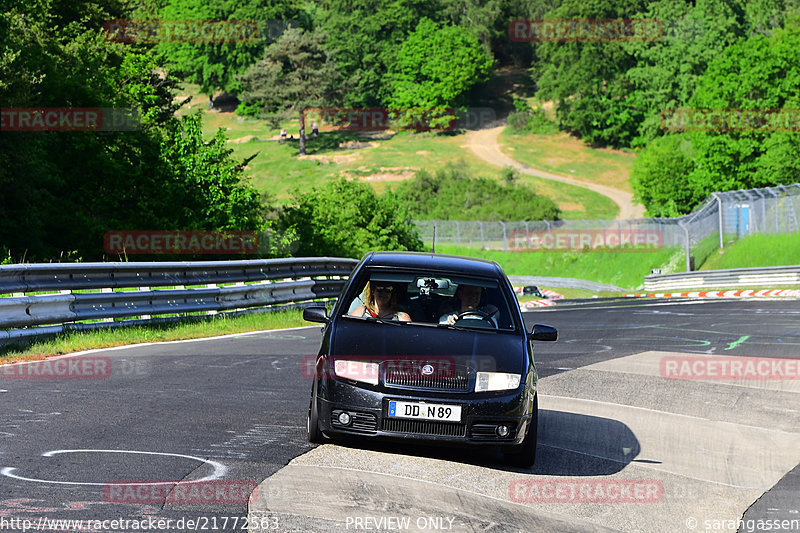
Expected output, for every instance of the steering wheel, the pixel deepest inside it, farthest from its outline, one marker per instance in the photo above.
(482, 315)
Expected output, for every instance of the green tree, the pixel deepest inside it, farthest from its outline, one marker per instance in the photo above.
(295, 73)
(761, 73)
(780, 161)
(58, 187)
(667, 70)
(63, 190)
(347, 219)
(215, 65)
(484, 19)
(489, 20)
(587, 79)
(364, 36)
(435, 66)
(660, 177)
(206, 186)
(147, 9)
(766, 16)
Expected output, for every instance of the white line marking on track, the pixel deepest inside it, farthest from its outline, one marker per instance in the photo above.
(116, 348)
(219, 469)
(629, 305)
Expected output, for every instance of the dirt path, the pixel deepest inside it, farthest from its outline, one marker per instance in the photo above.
(483, 143)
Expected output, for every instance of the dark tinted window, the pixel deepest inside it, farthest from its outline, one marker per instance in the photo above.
(430, 298)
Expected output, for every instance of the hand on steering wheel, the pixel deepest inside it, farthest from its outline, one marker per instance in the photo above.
(480, 314)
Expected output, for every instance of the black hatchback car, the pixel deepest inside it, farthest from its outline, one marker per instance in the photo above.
(427, 347)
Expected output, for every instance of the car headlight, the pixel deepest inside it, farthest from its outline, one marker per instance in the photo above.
(489, 381)
(357, 371)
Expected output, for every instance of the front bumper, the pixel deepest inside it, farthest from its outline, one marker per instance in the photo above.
(481, 414)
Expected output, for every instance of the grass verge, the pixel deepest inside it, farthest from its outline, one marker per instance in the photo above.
(755, 251)
(624, 269)
(108, 338)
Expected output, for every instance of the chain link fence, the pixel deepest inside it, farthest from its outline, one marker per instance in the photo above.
(722, 217)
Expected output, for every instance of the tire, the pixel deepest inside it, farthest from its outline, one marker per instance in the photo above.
(312, 424)
(524, 455)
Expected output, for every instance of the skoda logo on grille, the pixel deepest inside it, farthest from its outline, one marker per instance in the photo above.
(427, 370)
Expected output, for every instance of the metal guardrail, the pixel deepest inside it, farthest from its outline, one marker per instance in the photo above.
(246, 285)
(736, 277)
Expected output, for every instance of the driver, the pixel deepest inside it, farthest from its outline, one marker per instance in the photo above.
(469, 297)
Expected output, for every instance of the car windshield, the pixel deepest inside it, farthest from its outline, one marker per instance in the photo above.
(448, 300)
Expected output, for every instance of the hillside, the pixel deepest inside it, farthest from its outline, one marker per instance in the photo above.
(382, 159)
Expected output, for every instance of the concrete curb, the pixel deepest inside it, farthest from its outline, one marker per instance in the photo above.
(551, 297)
(537, 303)
(763, 293)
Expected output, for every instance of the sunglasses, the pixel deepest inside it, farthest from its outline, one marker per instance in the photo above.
(384, 288)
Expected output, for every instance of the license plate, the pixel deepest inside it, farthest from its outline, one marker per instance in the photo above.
(425, 411)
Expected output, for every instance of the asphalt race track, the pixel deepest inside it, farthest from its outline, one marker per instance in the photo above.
(623, 444)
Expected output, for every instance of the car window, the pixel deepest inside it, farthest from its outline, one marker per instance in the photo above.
(426, 298)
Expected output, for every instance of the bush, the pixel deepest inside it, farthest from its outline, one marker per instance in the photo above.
(452, 193)
(250, 109)
(660, 177)
(530, 120)
(347, 219)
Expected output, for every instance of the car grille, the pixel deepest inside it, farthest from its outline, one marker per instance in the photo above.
(422, 427)
(444, 377)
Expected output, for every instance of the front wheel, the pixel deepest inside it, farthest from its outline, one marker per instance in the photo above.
(312, 422)
(524, 455)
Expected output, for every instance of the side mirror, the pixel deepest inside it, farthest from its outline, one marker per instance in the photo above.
(316, 313)
(543, 332)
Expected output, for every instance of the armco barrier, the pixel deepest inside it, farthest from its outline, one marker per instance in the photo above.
(246, 285)
(737, 277)
(74, 276)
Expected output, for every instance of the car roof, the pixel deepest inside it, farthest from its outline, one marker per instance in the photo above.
(434, 262)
